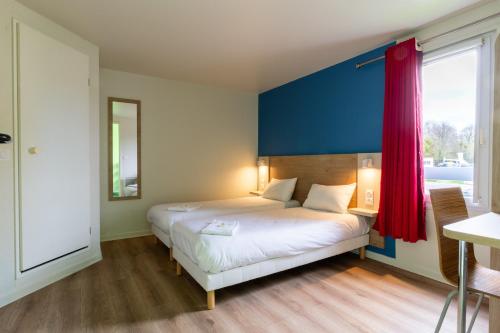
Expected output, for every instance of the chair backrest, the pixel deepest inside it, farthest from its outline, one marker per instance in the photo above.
(448, 205)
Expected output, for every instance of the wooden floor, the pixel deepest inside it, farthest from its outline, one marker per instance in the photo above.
(134, 289)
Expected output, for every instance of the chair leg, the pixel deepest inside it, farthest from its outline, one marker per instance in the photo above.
(476, 310)
(171, 254)
(178, 269)
(452, 294)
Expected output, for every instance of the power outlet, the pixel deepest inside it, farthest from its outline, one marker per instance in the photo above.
(369, 200)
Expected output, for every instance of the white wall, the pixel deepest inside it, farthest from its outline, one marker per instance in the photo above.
(12, 284)
(198, 143)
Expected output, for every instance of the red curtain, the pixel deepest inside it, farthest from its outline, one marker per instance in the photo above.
(402, 196)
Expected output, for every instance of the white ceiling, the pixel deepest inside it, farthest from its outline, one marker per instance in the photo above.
(251, 45)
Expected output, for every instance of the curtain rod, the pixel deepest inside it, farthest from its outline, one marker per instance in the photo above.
(364, 63)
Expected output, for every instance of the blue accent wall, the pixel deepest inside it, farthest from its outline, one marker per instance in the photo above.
(336, 110)
(389, 250)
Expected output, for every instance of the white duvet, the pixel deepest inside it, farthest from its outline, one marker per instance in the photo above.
(163, 218)
(264, 235)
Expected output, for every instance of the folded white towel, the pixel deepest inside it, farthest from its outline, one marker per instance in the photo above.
(221, 228)
(182, 208)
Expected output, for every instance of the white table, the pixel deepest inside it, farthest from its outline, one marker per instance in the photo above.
(483, 230)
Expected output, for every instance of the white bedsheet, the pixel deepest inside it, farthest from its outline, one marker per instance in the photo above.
(160, 216)
(264, 235)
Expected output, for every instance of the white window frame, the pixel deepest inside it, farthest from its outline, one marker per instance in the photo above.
(484, 111)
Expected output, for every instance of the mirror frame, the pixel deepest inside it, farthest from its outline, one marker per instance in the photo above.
(110, 148)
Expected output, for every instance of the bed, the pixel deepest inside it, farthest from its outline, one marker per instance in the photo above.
(272, 241)
(266, 242)
(162, 219)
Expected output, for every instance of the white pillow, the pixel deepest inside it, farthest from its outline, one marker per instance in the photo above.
(330, 198)
(280, 189)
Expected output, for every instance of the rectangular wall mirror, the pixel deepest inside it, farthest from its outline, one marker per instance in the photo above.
(124, 149)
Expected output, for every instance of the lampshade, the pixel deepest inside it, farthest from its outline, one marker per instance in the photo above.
(263, 172)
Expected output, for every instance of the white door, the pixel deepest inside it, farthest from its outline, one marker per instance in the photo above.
(53, 133)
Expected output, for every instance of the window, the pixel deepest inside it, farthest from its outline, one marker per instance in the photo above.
(456, 83)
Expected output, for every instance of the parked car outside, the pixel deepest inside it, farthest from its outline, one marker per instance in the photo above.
(448, 163)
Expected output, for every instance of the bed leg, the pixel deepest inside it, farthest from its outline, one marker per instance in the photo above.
(179, 269)
(211, 299)
(362, 252)
(171, 254)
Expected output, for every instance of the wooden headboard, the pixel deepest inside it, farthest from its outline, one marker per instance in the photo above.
(336, 169)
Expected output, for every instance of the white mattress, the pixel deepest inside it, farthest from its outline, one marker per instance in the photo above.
(163, 219)
(264, 235)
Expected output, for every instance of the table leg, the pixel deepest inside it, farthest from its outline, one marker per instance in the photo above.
(495, 302)
(462, 286)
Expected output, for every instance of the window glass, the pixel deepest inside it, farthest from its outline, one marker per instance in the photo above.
(449, 120)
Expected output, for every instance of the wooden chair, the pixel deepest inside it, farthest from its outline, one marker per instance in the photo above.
(448, 205)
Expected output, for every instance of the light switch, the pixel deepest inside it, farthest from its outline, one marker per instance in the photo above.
(369, 197)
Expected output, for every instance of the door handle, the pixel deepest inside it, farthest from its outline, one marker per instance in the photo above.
(5, 138)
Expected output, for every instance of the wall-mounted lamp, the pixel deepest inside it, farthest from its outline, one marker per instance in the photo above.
(369, 180)
(263, 175)
(367, 163)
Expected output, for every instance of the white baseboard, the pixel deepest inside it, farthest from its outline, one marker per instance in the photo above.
(419, 270)
(46, 279)
(128, 234)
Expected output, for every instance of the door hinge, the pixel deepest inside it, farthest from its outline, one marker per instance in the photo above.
(90, 230)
